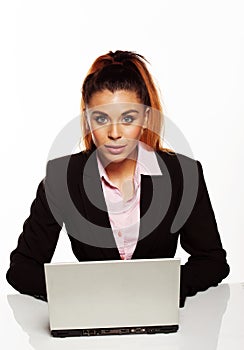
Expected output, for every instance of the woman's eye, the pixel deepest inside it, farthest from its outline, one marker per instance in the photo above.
(101, 119)
(128, 119)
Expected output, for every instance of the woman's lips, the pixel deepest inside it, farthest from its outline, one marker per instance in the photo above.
(115, 149)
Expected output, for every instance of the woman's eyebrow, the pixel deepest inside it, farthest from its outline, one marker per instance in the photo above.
(130, 111)
(106, 115)
(99, 112)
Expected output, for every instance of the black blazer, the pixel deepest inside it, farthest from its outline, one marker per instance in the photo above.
(174, 205)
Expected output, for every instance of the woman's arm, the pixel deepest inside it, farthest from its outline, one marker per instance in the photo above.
(199, 237)
(36, 246)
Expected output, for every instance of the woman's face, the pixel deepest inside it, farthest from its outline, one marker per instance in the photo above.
(116, 121)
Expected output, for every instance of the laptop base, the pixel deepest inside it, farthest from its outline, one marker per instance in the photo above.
(114, 331)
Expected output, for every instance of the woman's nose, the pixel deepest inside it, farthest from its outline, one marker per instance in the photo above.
(114, 131)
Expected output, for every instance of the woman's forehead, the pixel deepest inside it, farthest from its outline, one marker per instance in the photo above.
(118, 108)
(107, 97)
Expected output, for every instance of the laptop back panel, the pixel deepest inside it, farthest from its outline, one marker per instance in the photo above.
(111, 295)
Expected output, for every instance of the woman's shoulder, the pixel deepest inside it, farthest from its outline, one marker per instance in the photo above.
(70, 162)
(173, 159)
(180, 167)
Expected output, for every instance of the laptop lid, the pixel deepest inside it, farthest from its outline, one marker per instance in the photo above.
(114, 295)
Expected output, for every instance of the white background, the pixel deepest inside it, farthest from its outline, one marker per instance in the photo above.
(196, 53)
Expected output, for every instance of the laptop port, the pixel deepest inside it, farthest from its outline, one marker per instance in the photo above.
(124, 331)
(89, 332)
(151, 331)
(140, 330)
(62, 334)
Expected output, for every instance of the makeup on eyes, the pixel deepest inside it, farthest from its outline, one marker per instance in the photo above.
(101, 117)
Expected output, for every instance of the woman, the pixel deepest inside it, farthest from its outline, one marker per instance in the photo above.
(121, 198)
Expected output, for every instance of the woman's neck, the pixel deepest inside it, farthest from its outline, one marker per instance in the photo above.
(122, 170)
(121, 175)
(119, 172)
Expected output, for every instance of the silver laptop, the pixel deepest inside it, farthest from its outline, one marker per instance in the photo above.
(113, 297)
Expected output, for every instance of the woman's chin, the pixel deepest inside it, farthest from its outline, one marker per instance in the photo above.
(113, 159)
(108, 157)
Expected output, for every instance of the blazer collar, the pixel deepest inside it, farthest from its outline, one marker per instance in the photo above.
(92, 185)
(152, 205)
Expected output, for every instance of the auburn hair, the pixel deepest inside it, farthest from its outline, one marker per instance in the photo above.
(124, 70)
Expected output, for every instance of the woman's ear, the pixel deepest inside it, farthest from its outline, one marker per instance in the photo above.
(146, 118)
(86, 120)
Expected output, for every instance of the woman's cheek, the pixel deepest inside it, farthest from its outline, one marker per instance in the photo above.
(134, 133)
(98, 137)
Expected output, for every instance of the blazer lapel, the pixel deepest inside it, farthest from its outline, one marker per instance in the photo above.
(96, 210)
(156, 193)
(145, 200)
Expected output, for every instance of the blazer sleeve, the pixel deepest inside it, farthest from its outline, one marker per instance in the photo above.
(199, 237)
(36, 246)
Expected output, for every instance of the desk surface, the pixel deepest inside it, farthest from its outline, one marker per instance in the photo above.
(211, 320)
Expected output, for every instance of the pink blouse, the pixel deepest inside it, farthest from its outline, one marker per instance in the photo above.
(124, 215)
